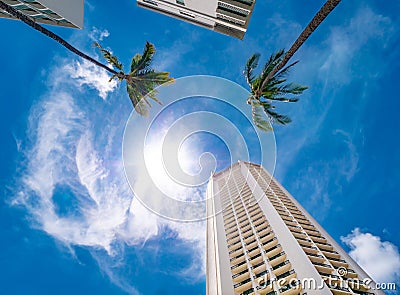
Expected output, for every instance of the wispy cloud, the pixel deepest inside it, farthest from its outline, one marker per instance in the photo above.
(72, 181)
(328, 68)
(380, 259)
(349, 163)
(320, 177)
(98, 34)
(86, 73)
(314, 182)
(345, 42)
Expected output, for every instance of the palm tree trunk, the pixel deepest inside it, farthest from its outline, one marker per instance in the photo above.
(31, 22)
(325, 10)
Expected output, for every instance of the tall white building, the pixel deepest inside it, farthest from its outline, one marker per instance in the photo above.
(66, 13)
(265, 242)
(230, 17)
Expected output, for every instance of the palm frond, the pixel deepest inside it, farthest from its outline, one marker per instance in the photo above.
(285, 71)
(277, 118)
(138, 100)
(291, 88)
(142, 80)
(158, 78)
(143, 61)
(112, 59)
(251, 64)
(284, 99)
(283, 92)
(258, 117)
(274, 88)
(273, 61)
(270, 65)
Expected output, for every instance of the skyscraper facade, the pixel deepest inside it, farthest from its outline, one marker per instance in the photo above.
(260, 240)
(229, 17)
(54, 12)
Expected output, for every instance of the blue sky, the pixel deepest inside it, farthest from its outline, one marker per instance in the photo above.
(62, 127)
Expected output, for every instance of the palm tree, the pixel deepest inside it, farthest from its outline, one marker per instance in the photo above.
(141, 80)
(325, 10)
(270, 84)
(276, 89)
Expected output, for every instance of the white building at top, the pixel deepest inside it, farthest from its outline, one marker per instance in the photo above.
(66, 13)
(230, 17)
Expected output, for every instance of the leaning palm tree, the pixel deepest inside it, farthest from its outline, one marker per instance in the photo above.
(325, 10)
(269, 85)
(141, 80)
(263, 93)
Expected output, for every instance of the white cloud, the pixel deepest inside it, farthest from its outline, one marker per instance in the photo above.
(313, 183)
(349, 163)
(328, 67)
(73, 151)
(91, 75)
(167, 58)
(63, 155)
(380, 259)
(98, 35)
(345, 42)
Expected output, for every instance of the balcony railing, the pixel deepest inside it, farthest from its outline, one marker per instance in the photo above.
(247, 2)
(257, 265)
(266, 235)
(322, 264)
(280, 265)
(255, 256)
(230, 226)
(299, 233)
(246, 231)
(240, 273)
(236, 249)
(305, 240)
(231, 231)
(292, 285)
(236, 257)
(233, 244)
(248, 291)
(315, 255)
(338, 260)
(237, 265)
(315, 236)
(329, 275)
(252, 249)
(285, 274)
(329, 251)
(254, 209)
(362, 292)
(242, 283)
(277, 255)
(310, 247)
(233, 238)
(339, 288)
(272, 248)
(261, 274)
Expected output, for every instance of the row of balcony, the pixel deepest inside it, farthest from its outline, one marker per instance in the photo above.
(281, 270)
(256, 259)
(248, 236)
(229, 222)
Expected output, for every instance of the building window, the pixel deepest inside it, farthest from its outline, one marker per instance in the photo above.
(181, 2)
